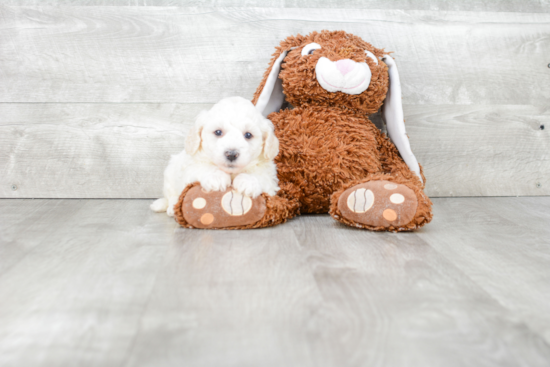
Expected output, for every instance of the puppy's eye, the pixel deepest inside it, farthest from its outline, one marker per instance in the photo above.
(248, 135)
(371, 55)
(310, 48)
(218, 133)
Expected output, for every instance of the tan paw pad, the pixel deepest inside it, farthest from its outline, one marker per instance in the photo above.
(378, 204)
(397, 199)
(360, 201)
(235, 203)
(199, 203)
(207, 218)
(390, 215)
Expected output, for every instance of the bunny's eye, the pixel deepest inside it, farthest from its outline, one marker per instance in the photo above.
(218, 133)
(371, 55)
(310, 48)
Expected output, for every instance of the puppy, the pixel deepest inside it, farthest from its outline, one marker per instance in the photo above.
(232, 144)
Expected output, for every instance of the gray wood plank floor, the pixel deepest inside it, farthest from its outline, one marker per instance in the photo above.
(109, 283)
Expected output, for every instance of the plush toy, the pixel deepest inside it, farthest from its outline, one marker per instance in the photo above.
(318, 91)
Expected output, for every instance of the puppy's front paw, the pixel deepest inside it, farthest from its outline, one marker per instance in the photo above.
(171, 203)
(247, 185)
(217, 181)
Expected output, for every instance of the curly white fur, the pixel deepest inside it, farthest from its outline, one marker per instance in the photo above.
(205, 158)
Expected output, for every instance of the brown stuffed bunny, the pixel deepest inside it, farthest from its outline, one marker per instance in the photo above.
(332, 157)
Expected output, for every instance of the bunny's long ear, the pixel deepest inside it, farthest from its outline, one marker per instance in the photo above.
(271, 96)
(392, 113)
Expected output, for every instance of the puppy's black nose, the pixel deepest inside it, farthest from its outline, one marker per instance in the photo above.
(231, 155)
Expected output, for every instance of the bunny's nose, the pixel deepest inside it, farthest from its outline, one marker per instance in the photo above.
(345, 66)
(231, 155)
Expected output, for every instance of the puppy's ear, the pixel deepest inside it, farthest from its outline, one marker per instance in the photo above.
(392, 113)
(193, 140)
(271, 143)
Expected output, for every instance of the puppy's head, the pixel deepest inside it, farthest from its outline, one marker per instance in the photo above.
(232, 135)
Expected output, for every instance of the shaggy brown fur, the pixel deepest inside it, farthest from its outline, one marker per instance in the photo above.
(327, 143)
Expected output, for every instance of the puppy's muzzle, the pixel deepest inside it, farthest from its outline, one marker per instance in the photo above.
(231, 155)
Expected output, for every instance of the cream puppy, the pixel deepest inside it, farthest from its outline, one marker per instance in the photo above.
(232, 144)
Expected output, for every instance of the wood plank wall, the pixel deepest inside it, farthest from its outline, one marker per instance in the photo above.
(95, 95)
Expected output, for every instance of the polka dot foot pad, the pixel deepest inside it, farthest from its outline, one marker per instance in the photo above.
(221, 209)
(378, 204)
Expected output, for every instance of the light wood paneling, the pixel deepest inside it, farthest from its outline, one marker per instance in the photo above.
(527, 6)
(482, 150)
(110, 283)
(199, 55)
(94, 99)
(89, 150)
(120, 150)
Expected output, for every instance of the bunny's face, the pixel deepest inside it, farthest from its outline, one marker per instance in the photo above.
(334, 68)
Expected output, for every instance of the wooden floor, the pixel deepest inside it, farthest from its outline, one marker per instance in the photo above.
(109, 283)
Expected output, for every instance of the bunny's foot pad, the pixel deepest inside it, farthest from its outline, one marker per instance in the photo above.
(221, 209)
(378, 204)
